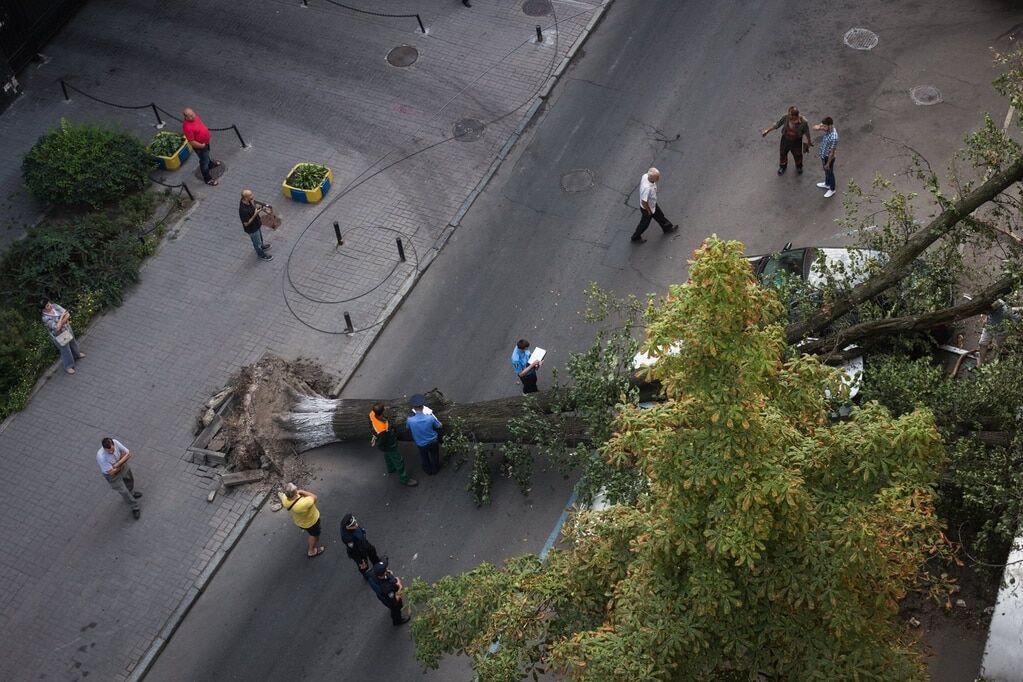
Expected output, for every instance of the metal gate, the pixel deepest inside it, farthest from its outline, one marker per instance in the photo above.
(27, 25)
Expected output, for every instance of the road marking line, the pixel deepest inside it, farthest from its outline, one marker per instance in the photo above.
(1008, 117)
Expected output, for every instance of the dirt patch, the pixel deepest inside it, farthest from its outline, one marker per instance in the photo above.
(253, 434)
(953, 638)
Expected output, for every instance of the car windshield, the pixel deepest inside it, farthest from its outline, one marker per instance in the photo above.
(780, 265)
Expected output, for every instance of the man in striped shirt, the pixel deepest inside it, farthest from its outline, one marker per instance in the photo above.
(828, 145)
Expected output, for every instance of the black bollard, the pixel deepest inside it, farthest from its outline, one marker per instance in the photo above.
(337, 233)
(539, 34)
(401, 250)
(349, 329)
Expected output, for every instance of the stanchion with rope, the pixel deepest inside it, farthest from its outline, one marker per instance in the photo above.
(157, 110)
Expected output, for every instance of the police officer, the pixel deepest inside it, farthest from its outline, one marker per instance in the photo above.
(358, 547)
(387, 587)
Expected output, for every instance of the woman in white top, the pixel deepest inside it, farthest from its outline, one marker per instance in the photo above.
(58, 322)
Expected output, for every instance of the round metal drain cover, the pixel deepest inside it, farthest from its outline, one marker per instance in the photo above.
(537, 8)
(578, 180)
(403, 55)
(860, 39)
(468, 129)
(925, 95)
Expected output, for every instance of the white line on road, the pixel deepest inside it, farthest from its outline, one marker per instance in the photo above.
(1008, 118)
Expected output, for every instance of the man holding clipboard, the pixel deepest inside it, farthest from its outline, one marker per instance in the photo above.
(525, 364)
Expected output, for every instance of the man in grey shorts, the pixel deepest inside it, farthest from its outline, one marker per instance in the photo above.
(112, 459)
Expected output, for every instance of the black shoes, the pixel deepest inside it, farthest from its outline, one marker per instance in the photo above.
(467, 3)
(136, 494)
(137, 513)
(404, 619)
(266, 257)
(781, 170)
(266, 246)
(673, 228)
(639, 240)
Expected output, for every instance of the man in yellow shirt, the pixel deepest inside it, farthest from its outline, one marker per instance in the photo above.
(302, 505)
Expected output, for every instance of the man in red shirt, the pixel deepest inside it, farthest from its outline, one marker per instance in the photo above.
(198, 136)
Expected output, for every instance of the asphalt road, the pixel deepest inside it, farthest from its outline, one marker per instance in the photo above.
(681, 85)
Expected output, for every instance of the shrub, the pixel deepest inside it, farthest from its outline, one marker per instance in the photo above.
(79, 164)
(99, 253)
(85, 264)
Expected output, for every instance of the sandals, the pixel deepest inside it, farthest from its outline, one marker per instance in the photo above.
(319, 551)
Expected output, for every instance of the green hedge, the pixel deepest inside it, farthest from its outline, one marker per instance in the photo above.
(84, 264)
(85, 164)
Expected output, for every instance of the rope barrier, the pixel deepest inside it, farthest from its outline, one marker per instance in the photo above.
(305, 3)
(157, 110)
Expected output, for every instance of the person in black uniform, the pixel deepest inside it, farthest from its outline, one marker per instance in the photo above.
(358, 547)
(387, 587)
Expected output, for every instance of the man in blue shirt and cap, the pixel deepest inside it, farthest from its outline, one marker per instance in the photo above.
(423, 428)
(524, 368)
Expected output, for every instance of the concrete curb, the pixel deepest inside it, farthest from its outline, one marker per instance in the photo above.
(395, 302)
(196, 589)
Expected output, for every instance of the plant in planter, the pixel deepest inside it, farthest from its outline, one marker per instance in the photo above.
(170, 149)
(307, 183)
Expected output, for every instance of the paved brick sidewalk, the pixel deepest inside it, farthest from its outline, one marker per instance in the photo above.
(87, 590)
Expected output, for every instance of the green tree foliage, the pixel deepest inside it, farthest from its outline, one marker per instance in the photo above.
(769, 540)
(979, 491)
(85, 164)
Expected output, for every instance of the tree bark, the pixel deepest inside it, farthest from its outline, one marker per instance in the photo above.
(316, 421)
(873, 328)
(899, 265)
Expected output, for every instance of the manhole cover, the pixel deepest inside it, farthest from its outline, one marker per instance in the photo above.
(578, 180)
(215, 171)
(861, 39)
(403, 55)
(468, 129)
(536, 8)
(925, 95)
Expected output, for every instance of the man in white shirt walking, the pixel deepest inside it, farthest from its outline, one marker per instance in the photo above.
(648, 204)
(112, 459)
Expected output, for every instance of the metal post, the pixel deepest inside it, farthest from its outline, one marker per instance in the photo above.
(240, 139)
(421, 27)
(349, 329)
(63, 86)
(401, 250)
(156, 112)
(539, 34)
(337, 233)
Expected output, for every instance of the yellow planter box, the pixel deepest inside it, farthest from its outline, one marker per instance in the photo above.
(306, 196)
(174, 161)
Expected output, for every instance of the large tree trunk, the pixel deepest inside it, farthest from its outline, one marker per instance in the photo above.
(873, 328)
(900, 264)
(315, 420)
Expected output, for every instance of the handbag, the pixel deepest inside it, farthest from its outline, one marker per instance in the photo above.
(64, 337)
(268, 217)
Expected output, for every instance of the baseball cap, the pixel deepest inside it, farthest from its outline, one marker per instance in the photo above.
(380, 567)
(417, 400)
